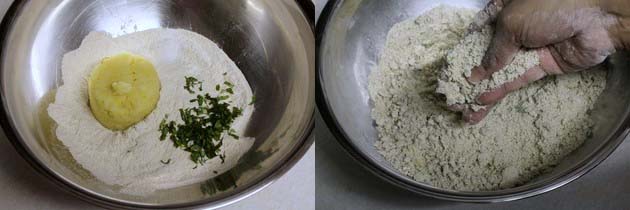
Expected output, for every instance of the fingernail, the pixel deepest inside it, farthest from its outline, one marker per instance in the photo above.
(476, 75)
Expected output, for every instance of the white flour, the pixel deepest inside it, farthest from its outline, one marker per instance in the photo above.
(526, 134)
(132, 159)
(468, 54)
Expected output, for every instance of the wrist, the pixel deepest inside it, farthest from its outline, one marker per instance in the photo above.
(619, 33)
(615, 7)
(619, 29)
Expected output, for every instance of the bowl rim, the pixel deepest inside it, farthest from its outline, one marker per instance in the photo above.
(275, 172)
(401, 181)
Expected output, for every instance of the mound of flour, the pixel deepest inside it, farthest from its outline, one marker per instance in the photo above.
(132, 159)
(468, 54)
(526, 134)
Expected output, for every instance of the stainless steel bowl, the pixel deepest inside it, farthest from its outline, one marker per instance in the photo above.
(270, 40)
(350, 37)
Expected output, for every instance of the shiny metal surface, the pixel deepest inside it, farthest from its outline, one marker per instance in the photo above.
(351, 35)
(270, 40)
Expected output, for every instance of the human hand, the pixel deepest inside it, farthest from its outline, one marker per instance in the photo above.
(569, 36)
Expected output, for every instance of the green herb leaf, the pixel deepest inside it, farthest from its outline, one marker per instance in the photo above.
(253, 100)
(191, 83)
(204, 125)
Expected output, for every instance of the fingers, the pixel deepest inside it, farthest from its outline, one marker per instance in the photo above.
(473, 117)
(493, 96)
(548, 66)
(548, 62)
(490, 99)
(457, 107)
(500, 53)
(487, 15)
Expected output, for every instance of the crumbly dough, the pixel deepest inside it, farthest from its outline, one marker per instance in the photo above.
(468, 54)
(525, 135)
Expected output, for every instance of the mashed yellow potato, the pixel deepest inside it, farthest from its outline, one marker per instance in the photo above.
(123, 90)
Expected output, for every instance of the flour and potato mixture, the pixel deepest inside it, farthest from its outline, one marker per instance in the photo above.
(152, 110)
(425, 61)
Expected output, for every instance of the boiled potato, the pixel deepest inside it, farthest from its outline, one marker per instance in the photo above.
(123, 90)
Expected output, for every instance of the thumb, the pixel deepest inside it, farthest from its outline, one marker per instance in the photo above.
(500, 53)
(487, 15)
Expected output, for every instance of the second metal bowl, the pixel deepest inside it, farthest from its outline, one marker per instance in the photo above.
(351, 35)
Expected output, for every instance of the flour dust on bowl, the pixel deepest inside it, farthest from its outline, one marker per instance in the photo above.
(169, 104)
(394, 58)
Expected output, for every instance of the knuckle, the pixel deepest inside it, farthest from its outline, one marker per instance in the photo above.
(572, 58)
